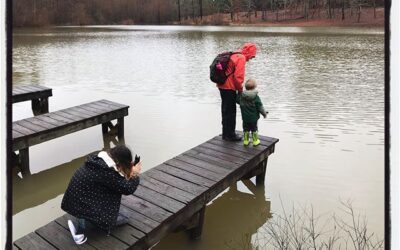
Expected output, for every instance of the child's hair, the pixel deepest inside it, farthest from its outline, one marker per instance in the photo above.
(122, 156)
(250, 84)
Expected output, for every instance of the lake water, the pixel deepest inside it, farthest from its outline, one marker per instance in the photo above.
(323, 88)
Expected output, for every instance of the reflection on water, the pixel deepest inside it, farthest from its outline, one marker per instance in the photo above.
(38, 188)
(323, 89)
(234, 217)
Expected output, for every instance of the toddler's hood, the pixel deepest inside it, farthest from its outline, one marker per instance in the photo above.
(249, 95)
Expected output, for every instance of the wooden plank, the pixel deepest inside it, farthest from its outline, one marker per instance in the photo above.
(74, 112)
(126, 234)
(100, 108)
(16, 134)
(264, 139)
(95, 105)
(71, 118)
(88, 108)
(236, 146)
(166, 189)
(56, 116)
(104, 105)
(87, 112)
(33, 241)
(22, 130)
(26, 124)
(51, 119)
(99, 240)
(202, 164)
(96, 237)
(214, 160)
(42, 88)
(17, 91)
(146, 208)
(41, 123)
(25, 94)
(229, 151)
(138, 220)
(24, 89)
(160, 200)
(67, 129)
(185, 175)
(222, 156)
(114, 104)
(31, 88)
(203, 172)
(176, 182)
(60, 237)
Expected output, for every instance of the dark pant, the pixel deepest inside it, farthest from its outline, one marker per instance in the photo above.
(228, 111)
(83, 223)
(250, 126)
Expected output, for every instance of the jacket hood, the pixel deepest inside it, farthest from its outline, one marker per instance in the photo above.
(249, 95)
(93, 161)
(249, 50)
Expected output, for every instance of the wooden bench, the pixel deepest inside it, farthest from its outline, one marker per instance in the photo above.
(44, 127)
(39, 96)
(171, 196)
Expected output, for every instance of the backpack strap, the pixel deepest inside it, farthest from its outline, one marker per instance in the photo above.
(233, 53)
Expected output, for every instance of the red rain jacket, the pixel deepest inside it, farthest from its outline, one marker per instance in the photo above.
(237, 64)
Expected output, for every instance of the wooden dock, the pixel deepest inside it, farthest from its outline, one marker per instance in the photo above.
(39, 95)
(44, 127)
(171, 196)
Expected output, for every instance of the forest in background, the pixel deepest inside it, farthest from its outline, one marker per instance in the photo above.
(28, 13)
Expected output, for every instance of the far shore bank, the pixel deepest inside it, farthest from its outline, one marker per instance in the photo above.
(368, 18)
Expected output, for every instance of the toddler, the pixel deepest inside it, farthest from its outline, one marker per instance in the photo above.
(251, 107)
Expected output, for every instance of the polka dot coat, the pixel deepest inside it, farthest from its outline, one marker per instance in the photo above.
(94, 192)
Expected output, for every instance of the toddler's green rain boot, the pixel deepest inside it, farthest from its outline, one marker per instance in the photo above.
(256, 141)
(246, 138)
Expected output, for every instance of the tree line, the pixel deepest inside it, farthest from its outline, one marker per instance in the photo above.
(105, 12)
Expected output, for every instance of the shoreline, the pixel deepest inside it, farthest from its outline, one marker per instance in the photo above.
(368, 19)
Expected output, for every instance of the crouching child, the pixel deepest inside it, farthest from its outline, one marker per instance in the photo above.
(94, 193)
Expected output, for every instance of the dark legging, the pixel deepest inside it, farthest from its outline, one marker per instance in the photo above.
(228, 111)
(82, 223)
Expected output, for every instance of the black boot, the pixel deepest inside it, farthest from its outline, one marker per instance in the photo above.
(234, 137)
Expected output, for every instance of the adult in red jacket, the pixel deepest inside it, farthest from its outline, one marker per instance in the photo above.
(232, 87)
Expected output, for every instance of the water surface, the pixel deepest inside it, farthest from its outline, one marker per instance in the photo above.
(323, 88)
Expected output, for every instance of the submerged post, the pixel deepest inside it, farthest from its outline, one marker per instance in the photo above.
(24, 161)
(195, 233)
(260, 178)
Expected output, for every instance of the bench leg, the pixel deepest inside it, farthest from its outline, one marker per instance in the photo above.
(110, 131)
(195, 233)
(40, 106)
(105, 127)
(120, 125)
(108, 139)
(45, 105)
(24, 162)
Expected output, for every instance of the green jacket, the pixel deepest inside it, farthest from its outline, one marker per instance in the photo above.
(251, 106)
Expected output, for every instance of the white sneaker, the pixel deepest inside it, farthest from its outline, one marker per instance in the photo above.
(72, 228)
(78, 238)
